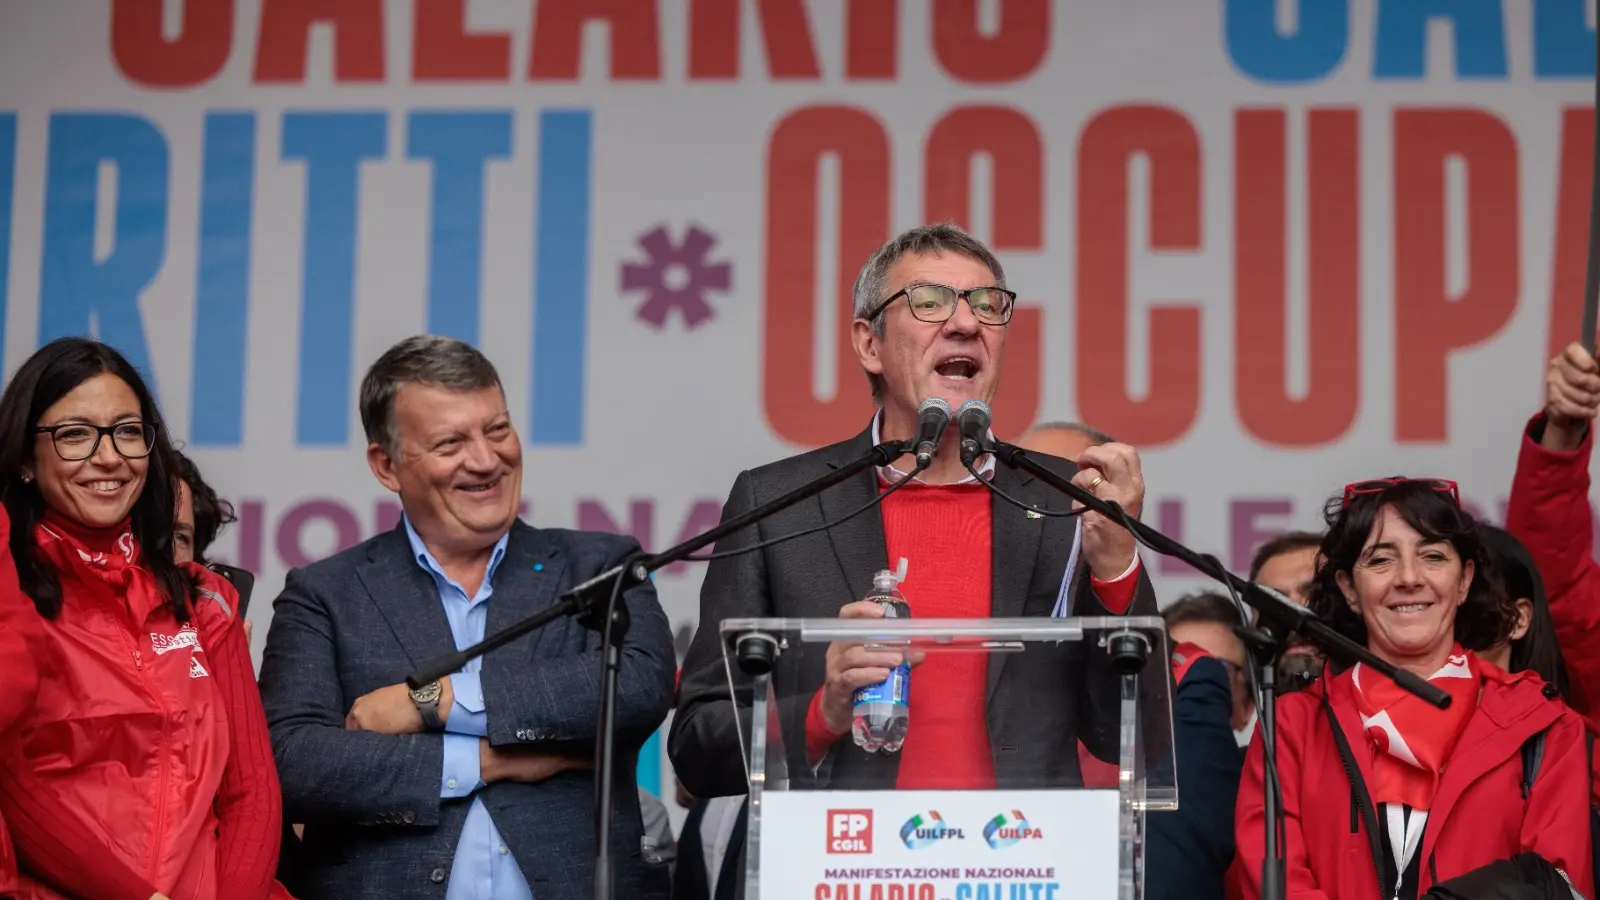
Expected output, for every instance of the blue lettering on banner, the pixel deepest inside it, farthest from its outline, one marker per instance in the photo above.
(1563, 42)
(222, 280)
(1477, 27)
(8, 177)
(561, 279)
(1260, 51)
(333, 146)
(76, 289)
(459, 144)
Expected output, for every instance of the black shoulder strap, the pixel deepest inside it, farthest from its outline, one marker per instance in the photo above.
(1532, 756)
(1381, 860)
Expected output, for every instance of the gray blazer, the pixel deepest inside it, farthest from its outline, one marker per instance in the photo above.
(375, 825)
(1039, 703)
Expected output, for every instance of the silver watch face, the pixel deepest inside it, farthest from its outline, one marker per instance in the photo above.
(428, 693)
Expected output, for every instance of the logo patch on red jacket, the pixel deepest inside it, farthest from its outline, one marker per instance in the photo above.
(187, 636)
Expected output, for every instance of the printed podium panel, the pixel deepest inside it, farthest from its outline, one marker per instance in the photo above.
(1049, 803)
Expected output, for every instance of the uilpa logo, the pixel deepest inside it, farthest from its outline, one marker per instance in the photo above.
(926, 828)
(849, 831)
(1008, 828)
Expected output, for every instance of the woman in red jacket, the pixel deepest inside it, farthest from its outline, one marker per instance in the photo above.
(1383, 794)
(143, 768)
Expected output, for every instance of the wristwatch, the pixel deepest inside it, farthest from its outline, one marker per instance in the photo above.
(427, 700)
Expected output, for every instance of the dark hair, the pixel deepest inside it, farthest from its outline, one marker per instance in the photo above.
(211, 513)
(1537, 651)
(1202, 606)
(54, 371)
(1486, 617)
(422, 359)
(1283, 543)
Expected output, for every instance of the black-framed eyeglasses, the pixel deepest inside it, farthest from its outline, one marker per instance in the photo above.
(77, 441)
(936, 303)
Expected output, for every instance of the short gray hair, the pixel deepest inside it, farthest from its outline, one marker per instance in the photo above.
(428, 359)
(934, 240)
(1093, 434)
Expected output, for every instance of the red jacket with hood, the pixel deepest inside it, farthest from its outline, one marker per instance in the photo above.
(1479, 814)
(144, 764)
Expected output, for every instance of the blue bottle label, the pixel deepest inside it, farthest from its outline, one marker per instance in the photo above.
(894, 689)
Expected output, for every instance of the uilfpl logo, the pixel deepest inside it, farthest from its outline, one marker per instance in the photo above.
(1008, 828)
(926, 828)
(849, 831)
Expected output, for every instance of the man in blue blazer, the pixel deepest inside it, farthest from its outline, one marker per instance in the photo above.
(479, 786)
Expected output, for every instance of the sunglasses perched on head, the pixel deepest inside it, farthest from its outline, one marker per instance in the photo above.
(1379, 485)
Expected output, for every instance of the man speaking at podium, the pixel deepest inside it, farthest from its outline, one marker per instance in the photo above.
(931, 310)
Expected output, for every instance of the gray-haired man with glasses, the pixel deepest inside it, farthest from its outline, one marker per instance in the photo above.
(931, 312)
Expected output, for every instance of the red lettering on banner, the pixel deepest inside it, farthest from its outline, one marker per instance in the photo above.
(1016, 155)
(558, 38)
(794, 155)
(714, 39)
(1013, 52)
(1569, 274)
(442, 50)
(872, 40)
(1431, 322)
(285, 34)
(1260, 272)
(146, 57)
(1169, 141)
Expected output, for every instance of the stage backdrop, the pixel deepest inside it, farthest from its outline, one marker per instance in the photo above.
(1275, 245)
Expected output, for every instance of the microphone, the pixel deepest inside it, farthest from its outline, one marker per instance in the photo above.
(972, 418)
(933, 417)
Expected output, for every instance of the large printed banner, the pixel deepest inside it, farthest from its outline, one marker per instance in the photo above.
(1277, 245)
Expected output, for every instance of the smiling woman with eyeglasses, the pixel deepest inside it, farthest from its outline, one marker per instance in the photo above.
(143, 767)
(1385, 795)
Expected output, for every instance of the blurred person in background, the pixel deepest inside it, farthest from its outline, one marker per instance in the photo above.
(201, 517)
(1063, 439)
(1550, 513)
(1383, 794)
(143, 768)
(1207, 620)
(1532, 645)
(1288, 564)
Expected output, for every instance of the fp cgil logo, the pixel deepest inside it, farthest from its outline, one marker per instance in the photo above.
(849, 831)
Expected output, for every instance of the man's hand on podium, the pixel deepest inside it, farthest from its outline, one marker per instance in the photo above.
(853, 666)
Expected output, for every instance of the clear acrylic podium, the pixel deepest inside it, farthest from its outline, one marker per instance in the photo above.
(837, 828)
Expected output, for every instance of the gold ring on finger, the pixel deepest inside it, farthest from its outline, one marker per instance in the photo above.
(1096, 482)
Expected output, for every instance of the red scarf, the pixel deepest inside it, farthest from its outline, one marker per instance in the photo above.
(108, 556)
(1414, 739)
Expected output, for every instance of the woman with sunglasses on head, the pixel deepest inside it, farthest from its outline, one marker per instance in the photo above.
(143, 768)
(1383, 794)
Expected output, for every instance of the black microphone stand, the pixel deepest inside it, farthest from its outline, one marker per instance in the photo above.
(1279, 618)
(595, 603)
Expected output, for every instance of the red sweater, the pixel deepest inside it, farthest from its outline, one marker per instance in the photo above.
(943, 532)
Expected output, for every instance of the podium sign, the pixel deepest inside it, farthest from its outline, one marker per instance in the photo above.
(837, 826)
(939, 845)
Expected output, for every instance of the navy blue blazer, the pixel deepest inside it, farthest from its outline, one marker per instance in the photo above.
(375, 824)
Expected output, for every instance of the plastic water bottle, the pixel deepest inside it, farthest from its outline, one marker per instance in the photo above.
(883, 712)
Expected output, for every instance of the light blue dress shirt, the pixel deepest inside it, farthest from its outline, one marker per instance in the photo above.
(484, 868)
